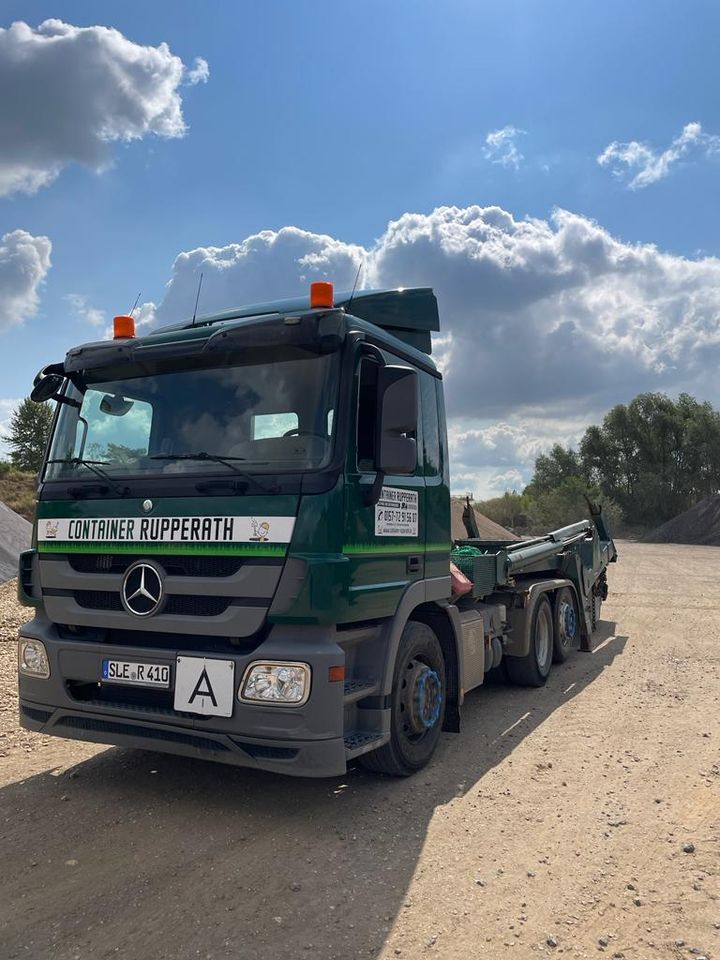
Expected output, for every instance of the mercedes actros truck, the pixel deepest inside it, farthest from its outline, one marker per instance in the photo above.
(242, 548)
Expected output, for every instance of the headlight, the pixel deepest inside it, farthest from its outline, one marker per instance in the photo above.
(272, 682)
(33, 659)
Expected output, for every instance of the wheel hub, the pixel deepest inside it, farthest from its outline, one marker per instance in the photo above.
(423, 700)
(567, 623)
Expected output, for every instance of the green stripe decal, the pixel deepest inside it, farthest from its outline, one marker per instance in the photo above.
(358, 549)
(168, 549)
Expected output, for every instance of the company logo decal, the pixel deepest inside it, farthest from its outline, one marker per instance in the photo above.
(211, 530)
(396, 513)
(142, 590)
(260, 529)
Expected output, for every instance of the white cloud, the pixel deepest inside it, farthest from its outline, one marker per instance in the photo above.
(500, 444)
(553, 313)
(24, 263)
(546, 323)
(71, 91)
(488, 459)
(501, 147)
(264, 266)
(644, 166)
(82, 310)
(199, 72)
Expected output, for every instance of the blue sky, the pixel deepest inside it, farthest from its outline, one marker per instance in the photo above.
(338, 118)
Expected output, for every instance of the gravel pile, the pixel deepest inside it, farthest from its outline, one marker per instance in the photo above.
(15, 534)
(489, 530)
(11, 616)
(700, 524)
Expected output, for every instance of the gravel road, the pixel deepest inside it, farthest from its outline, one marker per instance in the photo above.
(583, 818)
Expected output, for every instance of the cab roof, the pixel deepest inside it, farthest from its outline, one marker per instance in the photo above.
(404, 318)
(410, 313)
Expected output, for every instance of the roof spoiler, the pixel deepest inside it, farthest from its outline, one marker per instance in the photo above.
(408, 313)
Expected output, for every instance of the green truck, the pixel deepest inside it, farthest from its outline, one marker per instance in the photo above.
(242, 548)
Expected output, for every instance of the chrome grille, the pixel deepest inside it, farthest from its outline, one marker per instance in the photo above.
(181, 566)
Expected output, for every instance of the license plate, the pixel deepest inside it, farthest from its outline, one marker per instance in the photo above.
(136, 674)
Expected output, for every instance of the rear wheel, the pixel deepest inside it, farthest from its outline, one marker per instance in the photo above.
(567, 624)
(417, 704)
(532, 669)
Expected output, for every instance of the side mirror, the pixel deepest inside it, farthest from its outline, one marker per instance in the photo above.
(46, 387)
(115, 405)
(397, 419)
(47, 382)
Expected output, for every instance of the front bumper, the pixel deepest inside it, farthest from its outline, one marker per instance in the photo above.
(300, 741)
(299, 758)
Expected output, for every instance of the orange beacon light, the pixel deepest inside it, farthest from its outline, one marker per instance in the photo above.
(321, 294)
(123, 328)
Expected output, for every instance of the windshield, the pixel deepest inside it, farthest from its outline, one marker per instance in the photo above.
(261, 417)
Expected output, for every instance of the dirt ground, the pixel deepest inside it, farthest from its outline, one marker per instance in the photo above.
(557, 822)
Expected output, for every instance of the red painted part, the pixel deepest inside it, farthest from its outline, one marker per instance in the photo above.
(459, 582)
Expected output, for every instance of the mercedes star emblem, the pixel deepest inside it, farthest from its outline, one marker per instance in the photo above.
(147, 505)
(142, 589)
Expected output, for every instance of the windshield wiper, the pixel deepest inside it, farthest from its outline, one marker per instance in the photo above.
(215, 458)
(93, 466)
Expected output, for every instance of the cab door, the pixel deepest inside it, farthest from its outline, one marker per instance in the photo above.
(437, 479)
(384, 540)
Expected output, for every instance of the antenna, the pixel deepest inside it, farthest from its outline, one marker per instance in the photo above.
(357, 277)
(137, 298)
(197, 299)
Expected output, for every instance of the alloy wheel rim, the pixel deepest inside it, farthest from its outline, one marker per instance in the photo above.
(421, 698)
(567, 623)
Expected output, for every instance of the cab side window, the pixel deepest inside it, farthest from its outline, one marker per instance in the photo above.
(367, 414)
(431, 426)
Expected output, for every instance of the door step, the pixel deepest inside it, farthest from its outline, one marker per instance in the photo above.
(357, 689)
(360, 742)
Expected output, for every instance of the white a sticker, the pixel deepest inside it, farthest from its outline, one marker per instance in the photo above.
(396, 513)
(204, 686)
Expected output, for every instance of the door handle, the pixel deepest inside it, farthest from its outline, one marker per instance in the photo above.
(414, 564)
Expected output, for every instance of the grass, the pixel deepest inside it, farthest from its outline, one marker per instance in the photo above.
(17, 491)
(411, 546)
(169, 549)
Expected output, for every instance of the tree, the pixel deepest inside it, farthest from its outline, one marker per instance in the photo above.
(655, 457)
(551, 469)
(648, 460)
(29, 431)
(566, 504)
(509, 510)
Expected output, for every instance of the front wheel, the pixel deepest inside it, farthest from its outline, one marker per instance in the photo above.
(417, 704)
(532, 669)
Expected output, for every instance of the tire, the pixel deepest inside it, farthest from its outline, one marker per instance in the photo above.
(532, 670)
(417, 704)
(567, 625)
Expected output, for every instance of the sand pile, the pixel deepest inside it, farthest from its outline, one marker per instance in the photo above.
(489, 530)
(700, 524)
(14, 536)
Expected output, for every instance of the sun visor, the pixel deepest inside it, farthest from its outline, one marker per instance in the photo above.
(320, 333)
